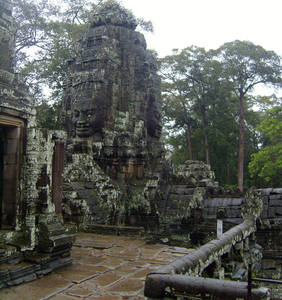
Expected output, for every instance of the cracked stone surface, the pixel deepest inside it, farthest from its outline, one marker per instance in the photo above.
(105, 267)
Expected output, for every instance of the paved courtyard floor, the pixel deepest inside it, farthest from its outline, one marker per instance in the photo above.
(104, 266)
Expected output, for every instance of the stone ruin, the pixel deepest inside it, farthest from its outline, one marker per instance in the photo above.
(109, 167)
(32, 233)
(113, 119)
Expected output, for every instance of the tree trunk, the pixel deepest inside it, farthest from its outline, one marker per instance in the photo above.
(241, 146)
(228, 174)
(188, 131)
(207, 147)
(189, 141)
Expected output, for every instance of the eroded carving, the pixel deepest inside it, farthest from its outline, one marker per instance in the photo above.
(87, 118)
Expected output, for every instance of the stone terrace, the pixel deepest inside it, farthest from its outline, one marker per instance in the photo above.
(105, 266)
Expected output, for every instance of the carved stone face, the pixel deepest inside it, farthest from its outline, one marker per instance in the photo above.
(87, 118)
(154, 119)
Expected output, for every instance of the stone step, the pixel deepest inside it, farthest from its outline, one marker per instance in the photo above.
(116, 230)
(20, 273)
(9, 254)
(34, 267)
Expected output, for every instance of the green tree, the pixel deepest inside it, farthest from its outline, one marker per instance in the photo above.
(267, 162)
(191, 88)
(47, 35)
(50, 31)
(49, 115)
(245, 66)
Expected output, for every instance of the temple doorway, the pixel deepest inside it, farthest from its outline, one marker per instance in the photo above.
(11, 152)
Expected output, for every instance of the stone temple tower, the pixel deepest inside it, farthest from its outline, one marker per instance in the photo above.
(113, 118)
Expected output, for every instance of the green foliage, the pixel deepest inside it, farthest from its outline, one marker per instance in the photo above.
(267, 162)
(201, 91)
(47, 35)
(50, 31)
(49, 115)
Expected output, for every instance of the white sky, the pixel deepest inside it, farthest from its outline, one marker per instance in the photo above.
(210, 23)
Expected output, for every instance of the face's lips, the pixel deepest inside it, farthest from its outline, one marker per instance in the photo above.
(83, 127)
(83, 130)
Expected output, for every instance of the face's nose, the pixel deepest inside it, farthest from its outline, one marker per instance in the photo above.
(82, 118)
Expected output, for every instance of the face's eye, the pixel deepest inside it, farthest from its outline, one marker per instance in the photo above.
(76, 113)
(89, 113)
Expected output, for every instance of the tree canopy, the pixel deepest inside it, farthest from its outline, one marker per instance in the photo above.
(209, 109)
(246, 65)
(267, 162)
(201, 92)
(47, 35)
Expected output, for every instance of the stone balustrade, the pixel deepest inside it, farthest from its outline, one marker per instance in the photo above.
(193, 264)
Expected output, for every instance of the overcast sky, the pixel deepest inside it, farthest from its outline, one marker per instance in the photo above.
(210, 23)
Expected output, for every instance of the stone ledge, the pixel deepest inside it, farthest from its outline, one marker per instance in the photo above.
(114, 229)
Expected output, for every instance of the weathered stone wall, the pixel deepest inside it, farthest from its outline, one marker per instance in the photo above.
(269, 235)
(31, 165)
(183, 194)
(229, 255)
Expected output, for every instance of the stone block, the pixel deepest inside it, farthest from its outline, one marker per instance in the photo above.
(268, 264)
(11, 159)
(272, 212)
(9, 197)
(212, 203)
(276, 203)
(227, 201)
(237, 201)
(265, 200)
(264, 214)
(233, 212)
(189, 191)
(12, 146)
(11, 172)
(275, 197)
(10, 184)
(277, 191)
(14, 132)
(266, 192)
(161, 204)
(83, 194)
(278, 210)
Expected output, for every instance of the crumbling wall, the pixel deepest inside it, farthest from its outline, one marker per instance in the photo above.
(269, 233)
(166, 281)
(32, 160)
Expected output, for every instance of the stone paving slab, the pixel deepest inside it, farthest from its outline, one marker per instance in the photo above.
(105, 267)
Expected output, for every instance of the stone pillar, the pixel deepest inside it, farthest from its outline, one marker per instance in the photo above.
(57, 175)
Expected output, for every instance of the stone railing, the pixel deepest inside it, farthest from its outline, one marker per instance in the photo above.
(167, 280)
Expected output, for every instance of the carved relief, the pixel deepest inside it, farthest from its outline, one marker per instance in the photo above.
(87, 118)
(154, 119)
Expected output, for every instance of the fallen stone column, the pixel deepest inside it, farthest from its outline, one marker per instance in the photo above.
(159, 286)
